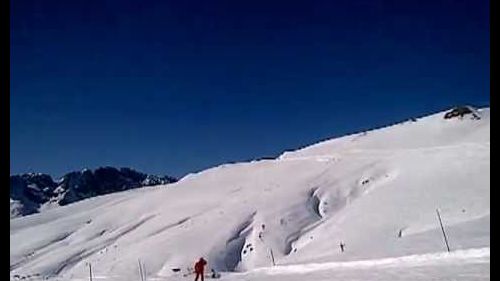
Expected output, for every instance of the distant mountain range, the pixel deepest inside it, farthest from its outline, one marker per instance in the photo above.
(35, 192)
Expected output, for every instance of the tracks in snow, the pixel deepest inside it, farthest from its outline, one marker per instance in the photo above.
(475, 255)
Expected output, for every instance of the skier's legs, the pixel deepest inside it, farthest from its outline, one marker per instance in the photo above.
(202, 276)
(197, 275)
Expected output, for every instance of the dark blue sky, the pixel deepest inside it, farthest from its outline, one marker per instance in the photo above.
(172, 87)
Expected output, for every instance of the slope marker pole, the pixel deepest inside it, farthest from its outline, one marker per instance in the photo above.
(90, 271)
(140, 270)
(272, 256)
(442, 229)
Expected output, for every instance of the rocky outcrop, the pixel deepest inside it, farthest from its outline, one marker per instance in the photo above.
(28, 192)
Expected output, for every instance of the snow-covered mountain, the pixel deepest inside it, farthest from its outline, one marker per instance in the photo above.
(377, 192)
(34, 192)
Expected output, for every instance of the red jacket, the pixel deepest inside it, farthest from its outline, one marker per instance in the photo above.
(198, 266)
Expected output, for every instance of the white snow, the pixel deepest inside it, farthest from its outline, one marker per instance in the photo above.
(376, 191)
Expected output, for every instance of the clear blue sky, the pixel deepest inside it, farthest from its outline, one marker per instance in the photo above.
(171, 87)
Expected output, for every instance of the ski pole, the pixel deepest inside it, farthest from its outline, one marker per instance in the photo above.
(442, 229)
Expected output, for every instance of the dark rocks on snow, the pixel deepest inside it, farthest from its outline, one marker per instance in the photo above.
(30, 191)
(461, 111)
(36, 187)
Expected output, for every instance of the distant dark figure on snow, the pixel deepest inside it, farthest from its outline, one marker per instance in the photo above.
(215, 274)
(261, 232)
(199, 268)
(342, 245)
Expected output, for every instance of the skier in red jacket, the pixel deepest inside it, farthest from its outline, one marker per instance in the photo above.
(198, 269)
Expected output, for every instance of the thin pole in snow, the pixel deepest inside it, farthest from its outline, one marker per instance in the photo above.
(442, 229)
(272, 256)
(140, 270)
(144, 271)
(90, 271)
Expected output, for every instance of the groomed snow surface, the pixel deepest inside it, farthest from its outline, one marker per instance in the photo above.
(376, 191)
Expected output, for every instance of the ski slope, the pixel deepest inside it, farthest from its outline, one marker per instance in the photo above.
(472, 264)
(375, 191)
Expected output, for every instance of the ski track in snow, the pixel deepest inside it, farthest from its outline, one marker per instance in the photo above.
(480, 255)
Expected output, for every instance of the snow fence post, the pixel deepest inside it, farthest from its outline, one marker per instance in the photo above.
(442, 229)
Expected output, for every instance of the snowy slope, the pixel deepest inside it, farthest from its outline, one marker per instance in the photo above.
(376, 191)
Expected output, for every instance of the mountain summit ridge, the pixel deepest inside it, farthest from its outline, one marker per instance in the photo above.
(34, 192)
